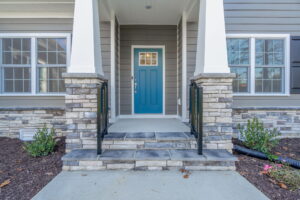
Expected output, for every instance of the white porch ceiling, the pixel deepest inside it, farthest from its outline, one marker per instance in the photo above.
(163, 12)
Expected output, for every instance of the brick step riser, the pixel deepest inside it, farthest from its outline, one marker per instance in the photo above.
(149, 165)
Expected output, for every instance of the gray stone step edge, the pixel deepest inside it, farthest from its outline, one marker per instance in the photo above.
(150, 136)
(84, 159)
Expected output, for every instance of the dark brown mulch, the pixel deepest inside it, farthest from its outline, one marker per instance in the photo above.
(27, 175)
(250, 168)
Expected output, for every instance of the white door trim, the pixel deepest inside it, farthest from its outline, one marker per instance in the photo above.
(113, 69)
(132, 77)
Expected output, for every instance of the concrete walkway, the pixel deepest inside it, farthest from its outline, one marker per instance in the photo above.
(148, 125)
(153, 185)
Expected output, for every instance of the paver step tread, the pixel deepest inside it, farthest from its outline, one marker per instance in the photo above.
(143, 154)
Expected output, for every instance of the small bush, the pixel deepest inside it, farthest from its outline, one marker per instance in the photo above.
(285, 176)
(256, 137)
(43, 143)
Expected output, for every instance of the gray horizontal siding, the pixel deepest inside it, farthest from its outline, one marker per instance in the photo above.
(31, 101)
(284, 101)
(36, 25)
(263, 16)
(192, 30)
(148, 35)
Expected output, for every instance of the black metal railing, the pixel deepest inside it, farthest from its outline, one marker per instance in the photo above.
(196, 114)
(102, 115)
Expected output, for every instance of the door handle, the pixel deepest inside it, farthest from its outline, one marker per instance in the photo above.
(135, 85)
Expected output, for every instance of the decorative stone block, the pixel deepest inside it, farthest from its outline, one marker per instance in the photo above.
(150, 163)
(90, 163)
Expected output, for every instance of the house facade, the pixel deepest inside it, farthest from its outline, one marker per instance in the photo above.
(55, 54)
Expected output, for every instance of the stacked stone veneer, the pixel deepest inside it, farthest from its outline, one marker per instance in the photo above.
(14, 119)
(286, 120)
(217, 110)
(81, 108)
(148, 165)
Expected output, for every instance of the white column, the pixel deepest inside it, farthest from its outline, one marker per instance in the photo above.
(211, 43)
(86, 46)
(113, 67)
(184, 66)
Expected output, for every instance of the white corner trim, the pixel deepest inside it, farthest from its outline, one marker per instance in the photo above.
(184, 67)
(119, 67)
(164, 74)
(252, 37)
(112, 67)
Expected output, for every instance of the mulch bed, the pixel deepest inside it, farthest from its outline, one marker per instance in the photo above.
(250, 168)
(26, 175)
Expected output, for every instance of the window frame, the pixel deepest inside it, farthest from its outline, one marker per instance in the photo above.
(150, 65)
(34, 75)
(252, 38)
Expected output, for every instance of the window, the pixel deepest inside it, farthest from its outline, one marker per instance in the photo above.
(51, 62)
(239, 62)
(269, 66)
(16, 65)
(260, 63)
(33, 63)
(148, 59)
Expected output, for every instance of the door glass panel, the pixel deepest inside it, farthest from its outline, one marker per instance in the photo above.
(148, 59)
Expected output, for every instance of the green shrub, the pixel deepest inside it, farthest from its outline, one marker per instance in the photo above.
(256, 137)
(43, 143)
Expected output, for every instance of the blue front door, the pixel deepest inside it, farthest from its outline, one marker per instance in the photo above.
(148, 81)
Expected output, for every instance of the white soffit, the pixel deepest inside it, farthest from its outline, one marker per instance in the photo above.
(163, 12)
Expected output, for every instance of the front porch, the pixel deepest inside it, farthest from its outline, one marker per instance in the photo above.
(143, 89)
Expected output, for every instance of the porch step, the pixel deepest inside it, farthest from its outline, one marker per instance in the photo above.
(145, 140)
(87, 159)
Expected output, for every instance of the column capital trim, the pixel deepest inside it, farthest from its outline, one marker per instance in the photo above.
(214, 76)
(84, 76)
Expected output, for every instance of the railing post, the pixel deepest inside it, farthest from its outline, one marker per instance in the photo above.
(99, 102)
(196, 114)
(102, 115)
(200, 120)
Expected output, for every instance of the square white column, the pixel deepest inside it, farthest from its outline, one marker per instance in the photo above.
(211, 42)
(86, 45)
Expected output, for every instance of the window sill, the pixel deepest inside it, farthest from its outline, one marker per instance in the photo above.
(261, 95)
(32, 95)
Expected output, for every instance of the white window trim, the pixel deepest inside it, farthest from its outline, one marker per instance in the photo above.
(33, 37)
(252, 38)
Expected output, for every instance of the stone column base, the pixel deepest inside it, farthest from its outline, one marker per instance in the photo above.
(81, 108)
(217, 109)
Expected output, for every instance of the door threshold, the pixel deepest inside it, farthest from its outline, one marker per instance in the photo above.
(149, 116)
